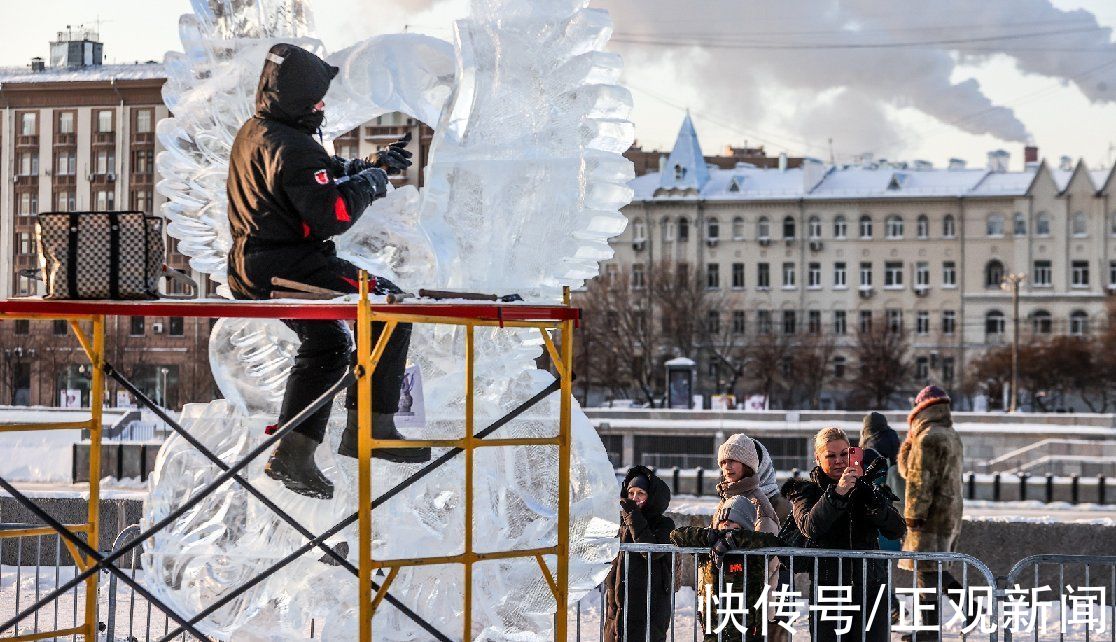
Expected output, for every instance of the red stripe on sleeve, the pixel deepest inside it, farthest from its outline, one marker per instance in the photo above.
(340, 210)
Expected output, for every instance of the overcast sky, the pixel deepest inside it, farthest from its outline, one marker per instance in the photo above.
(902, 79)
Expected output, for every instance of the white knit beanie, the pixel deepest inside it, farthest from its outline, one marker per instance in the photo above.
(741, 448)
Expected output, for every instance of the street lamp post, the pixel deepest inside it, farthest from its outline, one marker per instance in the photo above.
(1011, 284)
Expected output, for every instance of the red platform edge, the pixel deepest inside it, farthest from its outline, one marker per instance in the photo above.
(286, 309)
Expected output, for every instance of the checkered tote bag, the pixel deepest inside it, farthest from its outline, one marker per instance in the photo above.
(101, 255)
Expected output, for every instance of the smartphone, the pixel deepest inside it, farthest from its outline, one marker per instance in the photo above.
(856, 456)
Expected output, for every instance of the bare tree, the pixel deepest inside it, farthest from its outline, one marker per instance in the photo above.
(811, 358)
(767, 363)
(619, 339)
(883, 362)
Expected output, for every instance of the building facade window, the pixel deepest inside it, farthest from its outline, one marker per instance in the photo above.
(24, 243)
(713, 322)
(813, 275)
(788, 275)
(839, 367)
(105, 162)
(1042, 224)
(763, 320)
(65, 201)
(136, 326)
(1080, 225)
(104, 121)
(789, 228)
(1079, 323)
(712, 276)
(893, 274)
(993, 274)
(949, 274)
(65, 122)
(922, 274)
(737, 275)
(1041, 322)
(104, 200)
(948, 369)
(1019, 225)
(763, 229)
(638, 282)
(59, 327)
(894, 320)
(840, 275)
(865, 227)
(712, 229)
(1080, 272)
(994, 326)
(922, 322)
(865, 321)
(922, 368)
(738, 228)
(668, 230)
(949, 322)
(922, 227)
(949, 227)
(840, 323)
(894, 226)
(865, 275)
(994, 226)
(28, 163)
(815, 229)
(739, 322)
(813, 322)
(683, 229)
(790, 322)
(65, 164)
(1112, 274)
(144, 121)
(763, 275)
(29, 124)
(1042, 274)
(28, 204)
(841, 226)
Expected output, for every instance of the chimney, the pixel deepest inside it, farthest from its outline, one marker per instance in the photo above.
(782, 161)
(1030, 154)
(1065, 164)
(998, 161)
(37, 64)
(922, 165)
(957, 164)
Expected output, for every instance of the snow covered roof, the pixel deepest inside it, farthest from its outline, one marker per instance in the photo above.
(136, 71)
(685, 169)
(745, 182)
(1100, 177)
(1061, 177)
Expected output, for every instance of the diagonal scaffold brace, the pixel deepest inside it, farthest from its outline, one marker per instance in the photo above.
(376, 503)
(107, 562)
(264, 499)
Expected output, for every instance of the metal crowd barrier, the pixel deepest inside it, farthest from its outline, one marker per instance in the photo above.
(687, 621)
(1047, 583)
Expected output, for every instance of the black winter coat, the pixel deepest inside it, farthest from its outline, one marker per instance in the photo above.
(283, 202)
(851, 522)
(646, 526)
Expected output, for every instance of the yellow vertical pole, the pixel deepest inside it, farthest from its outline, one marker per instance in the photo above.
(364, 454)
(564, 447)
(96, 402)
(469, 358)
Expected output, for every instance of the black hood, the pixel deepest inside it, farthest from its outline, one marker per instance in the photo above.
(658, 498)
(293, 80)
(878, 435)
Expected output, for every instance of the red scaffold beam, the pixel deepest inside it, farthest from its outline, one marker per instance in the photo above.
(291, 309)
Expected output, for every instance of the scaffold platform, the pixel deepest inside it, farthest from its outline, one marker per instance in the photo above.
(561, 320)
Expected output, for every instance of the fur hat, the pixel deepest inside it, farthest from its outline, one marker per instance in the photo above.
(741, 448)
(929, 396)
(739, 509)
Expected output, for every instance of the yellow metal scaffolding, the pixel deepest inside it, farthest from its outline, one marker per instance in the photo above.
(94, 348)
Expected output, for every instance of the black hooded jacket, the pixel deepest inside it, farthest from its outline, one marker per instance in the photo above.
(648, 525)
(283, 202)
(879, 436)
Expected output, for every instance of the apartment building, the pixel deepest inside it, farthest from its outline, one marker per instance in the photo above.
(819, 249)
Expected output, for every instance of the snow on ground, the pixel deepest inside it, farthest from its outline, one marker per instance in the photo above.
(111, 488)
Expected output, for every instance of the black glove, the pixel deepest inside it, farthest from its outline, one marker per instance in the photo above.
(877, 505)
(372, 179)
(381, 286)
(628, 507)
(395, 158)
(345, 167)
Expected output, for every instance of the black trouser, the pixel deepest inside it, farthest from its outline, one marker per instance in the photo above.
(323, 356)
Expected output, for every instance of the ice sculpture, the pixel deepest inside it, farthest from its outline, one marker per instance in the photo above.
(523, 188)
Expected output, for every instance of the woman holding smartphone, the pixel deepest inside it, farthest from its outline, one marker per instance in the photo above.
(835, 509)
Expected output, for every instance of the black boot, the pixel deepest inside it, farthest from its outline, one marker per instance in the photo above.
(292, 464)
(383, 427)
